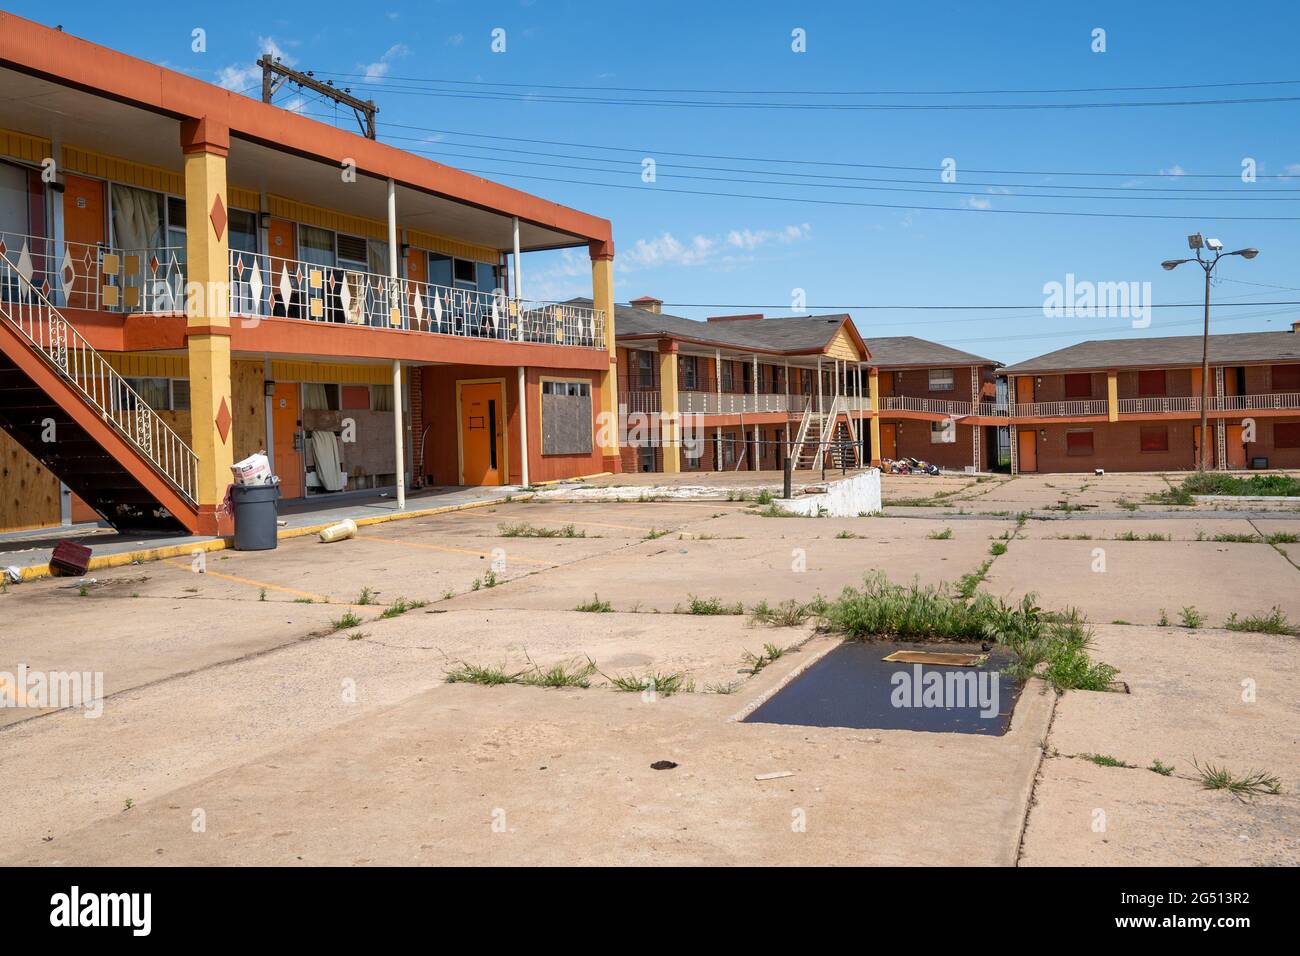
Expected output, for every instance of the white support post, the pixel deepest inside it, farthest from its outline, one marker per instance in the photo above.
(399, 436)
(717, 429)
(523, 427)
(517, 275)
(758, 451)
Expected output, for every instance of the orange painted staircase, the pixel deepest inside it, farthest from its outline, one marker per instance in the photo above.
(62, 401)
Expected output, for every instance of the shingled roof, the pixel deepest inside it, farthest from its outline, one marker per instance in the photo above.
(906, 351)
(1167, 352)
(795, 335)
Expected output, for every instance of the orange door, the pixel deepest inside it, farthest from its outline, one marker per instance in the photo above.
(1027, 448)
(1236, 447)
(482, 433)
(280, 246)
(1196, 447)
(286, 423)
(1024, 390)
(84, 228)
(888, 441)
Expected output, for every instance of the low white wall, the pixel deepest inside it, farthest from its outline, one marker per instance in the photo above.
(847, 498)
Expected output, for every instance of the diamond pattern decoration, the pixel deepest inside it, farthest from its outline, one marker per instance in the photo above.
(223, 420)
(255, 282)
(345, 296)
(286, 285)
(25, 268)
(437, 308)
(418, 307)
(218, 216)
(153, 264)
(3, 247)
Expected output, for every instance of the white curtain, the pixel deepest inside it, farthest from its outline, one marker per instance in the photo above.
(137, 219)
(325, 449)
(313, 396)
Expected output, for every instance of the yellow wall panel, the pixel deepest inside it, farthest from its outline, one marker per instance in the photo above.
(31, 149)
(451, 247)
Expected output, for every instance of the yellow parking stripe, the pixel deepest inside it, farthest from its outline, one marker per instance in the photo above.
(316, 598)
(435, 547)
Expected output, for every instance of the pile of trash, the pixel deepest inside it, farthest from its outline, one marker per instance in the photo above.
(908, 466)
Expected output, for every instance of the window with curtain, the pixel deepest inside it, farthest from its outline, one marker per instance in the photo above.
(1151, 382)
(316, 245)
(1154, 438)
(1078, 386)
(138, 217)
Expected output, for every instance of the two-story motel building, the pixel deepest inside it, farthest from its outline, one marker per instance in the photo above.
(188, 276)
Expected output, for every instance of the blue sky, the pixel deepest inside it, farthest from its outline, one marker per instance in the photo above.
(751, 252)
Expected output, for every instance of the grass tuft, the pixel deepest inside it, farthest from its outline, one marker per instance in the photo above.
(595, 606)
(789, 613)
(348, 620)
(710, 606)
(944, 535)
(1274, 622)
(1249, 784)
(1105, 760)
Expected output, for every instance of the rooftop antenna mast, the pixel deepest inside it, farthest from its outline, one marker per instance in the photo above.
(275, 75)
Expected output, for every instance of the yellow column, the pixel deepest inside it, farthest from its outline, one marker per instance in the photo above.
(670, 421)
(1112, 396)
(873, 388)
(207, 310)
(602, 297)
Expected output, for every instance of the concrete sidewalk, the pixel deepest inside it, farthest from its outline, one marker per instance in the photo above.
(30, 551)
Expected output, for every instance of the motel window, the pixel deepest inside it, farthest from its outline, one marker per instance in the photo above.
(465, 273)
(1078, 441)
(944, 432)
(645, 456)
(1151, 382)
(1286, 378)
(566, 417)
(316, 246)
(941, 380)
(728, 377)
(1078, 386)
(644, 369)
(1286, 434)
(1154, 438)
(161, 394)
(354, 251)
(686, 371)
(439, 269)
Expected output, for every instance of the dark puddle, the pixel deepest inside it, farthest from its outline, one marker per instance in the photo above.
(852, 687)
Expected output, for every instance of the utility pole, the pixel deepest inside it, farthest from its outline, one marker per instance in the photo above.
(275, 74)
(1197, 243)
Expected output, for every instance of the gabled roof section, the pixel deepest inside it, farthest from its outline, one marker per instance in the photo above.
(906, 351)
(798, 335)
(1167, 352)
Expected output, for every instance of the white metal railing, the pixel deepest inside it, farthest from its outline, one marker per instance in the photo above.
(55, 339)
(1227, 403)
(1185, 403)
(262, 286)
(1060, 409)
(940, 406)
(858, 403)
(78, 275)
(737, 403)
(642, 401)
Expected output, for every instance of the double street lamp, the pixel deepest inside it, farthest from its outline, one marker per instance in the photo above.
(1198, 244)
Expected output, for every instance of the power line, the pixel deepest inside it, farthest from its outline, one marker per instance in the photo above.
(571, 99)
(877, 205)
(636, 89)
(1171, 325)
(942, 308)
(873, 179)
(812, 162)
(955, 188)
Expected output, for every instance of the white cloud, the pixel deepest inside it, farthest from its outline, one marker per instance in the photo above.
(976, 202)
(379, 69)
(725, 249)
(1174, 170)
(242, 78)
(456, 39)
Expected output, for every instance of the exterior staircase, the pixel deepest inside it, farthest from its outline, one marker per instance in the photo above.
(819, 425)
(62, 401)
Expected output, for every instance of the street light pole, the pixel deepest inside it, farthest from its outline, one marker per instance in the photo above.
(1197, 243)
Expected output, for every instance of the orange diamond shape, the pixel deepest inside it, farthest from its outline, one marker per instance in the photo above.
(218, 216)
(223, 420)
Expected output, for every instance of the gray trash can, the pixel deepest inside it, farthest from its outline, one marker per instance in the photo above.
(255, 514)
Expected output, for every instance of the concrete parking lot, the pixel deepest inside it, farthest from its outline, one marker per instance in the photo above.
(247, 720)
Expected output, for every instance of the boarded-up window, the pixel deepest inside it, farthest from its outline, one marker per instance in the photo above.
(1078, 386)
(1286, 435)
(1286, 378)
(566, 418)
(356, 396)
(1078, 442)
(1155, 438)
(1151, 381)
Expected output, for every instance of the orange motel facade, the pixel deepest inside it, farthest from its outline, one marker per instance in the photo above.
(188, 276)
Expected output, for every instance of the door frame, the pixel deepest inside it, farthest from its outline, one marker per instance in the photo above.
(460, 435)
(301, 454)
(1032, 433)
